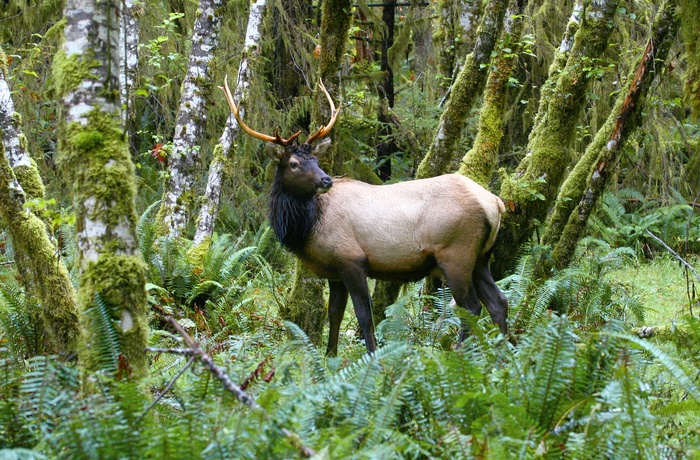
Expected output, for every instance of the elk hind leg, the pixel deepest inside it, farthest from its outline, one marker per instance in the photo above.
(490, 295)
(463, 291)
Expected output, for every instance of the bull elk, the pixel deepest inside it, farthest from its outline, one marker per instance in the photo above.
(346, 231)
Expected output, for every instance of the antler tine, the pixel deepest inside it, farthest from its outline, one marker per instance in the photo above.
(322, 131)
(277, 139)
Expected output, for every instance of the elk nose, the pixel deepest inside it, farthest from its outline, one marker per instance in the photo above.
(326, 181)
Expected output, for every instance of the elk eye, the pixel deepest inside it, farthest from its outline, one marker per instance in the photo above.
(294, 164)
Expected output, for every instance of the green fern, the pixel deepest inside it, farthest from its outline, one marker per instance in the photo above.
(22, 323)
(104, 338)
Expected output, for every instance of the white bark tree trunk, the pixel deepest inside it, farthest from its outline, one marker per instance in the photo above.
(222, 155)
(42, 273)
(179, 188)
(128, 58)
(94, 157)
(15, 151)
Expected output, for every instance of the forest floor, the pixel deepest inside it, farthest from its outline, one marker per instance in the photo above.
(661, 286)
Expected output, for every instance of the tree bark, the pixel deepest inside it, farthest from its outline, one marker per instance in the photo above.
(43, 272)
(222, 163)
(465, 90)
(623, 120)
(94, 158)
(179, 194)
(128, 65)
(305, 304)
(480, 161)
(529, 193)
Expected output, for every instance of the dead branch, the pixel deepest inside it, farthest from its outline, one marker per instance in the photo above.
(675, 254)
(195, 351)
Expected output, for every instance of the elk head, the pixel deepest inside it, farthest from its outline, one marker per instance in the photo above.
(298, 172)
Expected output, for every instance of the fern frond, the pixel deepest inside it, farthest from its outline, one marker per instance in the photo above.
(686, 381)
(104, 339)
(311, 351)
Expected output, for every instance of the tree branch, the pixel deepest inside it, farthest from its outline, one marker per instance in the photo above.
(196, 352)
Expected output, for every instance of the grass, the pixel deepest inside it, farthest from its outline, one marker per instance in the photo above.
(661, 286)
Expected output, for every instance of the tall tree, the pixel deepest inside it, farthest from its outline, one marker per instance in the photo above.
(178, 199)
(94, 158)
(43, 272)
(481, 159)
(387, 145)
(606, 147)
(128, 63)
(221, 163)
(465, 90)
(457, 24)
(530, 192)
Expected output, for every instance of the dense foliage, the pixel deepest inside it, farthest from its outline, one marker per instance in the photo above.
(596, 366)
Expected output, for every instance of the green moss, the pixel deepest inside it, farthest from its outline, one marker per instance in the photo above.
(85, 141)
(335, 20)
(95, 159)
(69, 72)
(120, 281)
(30, 180)
(197, 253)
(49, 277)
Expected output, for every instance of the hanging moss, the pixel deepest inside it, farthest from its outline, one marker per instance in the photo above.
(690, 18)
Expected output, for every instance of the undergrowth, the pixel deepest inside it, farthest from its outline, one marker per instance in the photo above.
(573, 381)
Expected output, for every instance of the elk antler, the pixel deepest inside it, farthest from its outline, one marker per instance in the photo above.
(264, 137)
(334, 116)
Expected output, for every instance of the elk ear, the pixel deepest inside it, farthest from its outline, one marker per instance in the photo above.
(322, 147)
(275, 153)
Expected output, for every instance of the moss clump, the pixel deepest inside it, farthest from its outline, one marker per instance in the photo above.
(69, 72)
(30, 180)
(120, 281)
(96, 161)
(85, 141)
(197, 253)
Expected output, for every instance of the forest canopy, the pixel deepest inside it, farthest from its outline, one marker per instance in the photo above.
(148, 310)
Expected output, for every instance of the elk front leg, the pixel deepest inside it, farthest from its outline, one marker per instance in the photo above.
(337, 300)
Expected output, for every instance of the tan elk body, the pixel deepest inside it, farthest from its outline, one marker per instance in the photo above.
(346, 230)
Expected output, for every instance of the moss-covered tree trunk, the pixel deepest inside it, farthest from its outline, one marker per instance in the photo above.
(480, 161)
(465, 90)
(605, 149)
(457, 23)
(530, 192)
(94, 158)
(179, 196)
(222, 162)
(386, 145)
(43, 272)
(305, 305)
